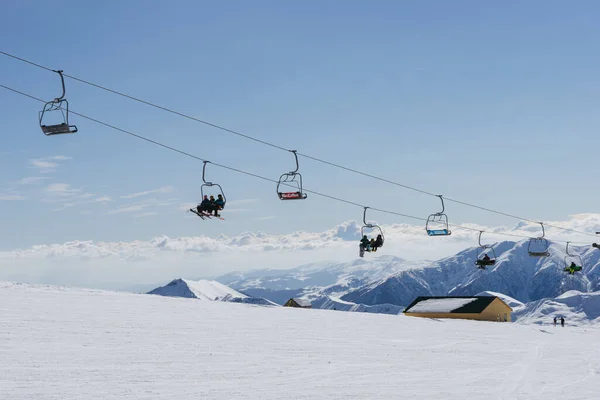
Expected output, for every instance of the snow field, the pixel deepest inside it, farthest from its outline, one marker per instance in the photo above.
(65, 343)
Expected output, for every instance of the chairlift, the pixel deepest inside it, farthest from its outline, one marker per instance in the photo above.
(53, 106)
(438, 219)
(573, 262)
(293, 179)
(483, 254)
(363, 248)
(203, 213)
(538, 247)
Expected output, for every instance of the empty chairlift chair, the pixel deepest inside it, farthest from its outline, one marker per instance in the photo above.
(291, 179)
(51, 110)
(539, 247)
(437, 224)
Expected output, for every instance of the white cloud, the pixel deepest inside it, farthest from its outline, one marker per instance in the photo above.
(164, 189)
(265, 218)
(47, 164)
(157, 261)
(62, 189)
(146, 214)
(104, 199)
(11, 197)
(127, 209)
(32, 180)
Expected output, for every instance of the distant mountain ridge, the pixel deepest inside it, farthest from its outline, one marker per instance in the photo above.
(516, 274)
(206, 290)
(387, 284)
(316, 280)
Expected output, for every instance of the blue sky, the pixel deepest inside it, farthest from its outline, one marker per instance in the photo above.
(494, 104)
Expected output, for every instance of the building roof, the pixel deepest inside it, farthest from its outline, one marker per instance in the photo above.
(451, 304)
(302, 302)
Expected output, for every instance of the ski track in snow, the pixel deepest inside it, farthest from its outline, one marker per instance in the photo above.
(65, 343)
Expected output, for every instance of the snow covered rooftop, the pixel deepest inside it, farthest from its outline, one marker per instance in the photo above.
(474, 304)
(302, 302)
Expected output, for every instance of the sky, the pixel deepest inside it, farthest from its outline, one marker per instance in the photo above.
(492, 104)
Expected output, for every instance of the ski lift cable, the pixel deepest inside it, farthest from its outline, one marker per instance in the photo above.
(285, 149)
(182, 152)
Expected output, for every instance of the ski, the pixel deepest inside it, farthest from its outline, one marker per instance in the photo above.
(205, 215)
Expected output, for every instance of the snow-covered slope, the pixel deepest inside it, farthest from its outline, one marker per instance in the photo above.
(205, 290)
(516, 274)
(577, 308)
(70, 344)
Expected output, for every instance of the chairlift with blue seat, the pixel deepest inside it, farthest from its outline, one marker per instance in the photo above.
(436, 220)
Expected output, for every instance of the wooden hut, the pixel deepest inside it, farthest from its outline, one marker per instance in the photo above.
(298, 303)
(481, 308)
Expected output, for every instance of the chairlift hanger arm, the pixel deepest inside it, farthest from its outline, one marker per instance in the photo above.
(543, 230)
(62, 80)
(365, 218)
(297, 164)
(204, 173)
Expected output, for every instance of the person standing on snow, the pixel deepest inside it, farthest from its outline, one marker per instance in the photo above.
(562, 321)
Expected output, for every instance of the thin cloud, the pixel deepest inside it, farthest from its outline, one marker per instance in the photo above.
(146, 214)
(47, 164)
(32, 180)
(164, 189)
(104, 199)
(127, 209)
(265, 218)
(62, 189)
(11, 197)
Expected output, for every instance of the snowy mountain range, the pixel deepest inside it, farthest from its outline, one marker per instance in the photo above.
(317, 280)
(515, 274)
(535, 287)
(386, 284)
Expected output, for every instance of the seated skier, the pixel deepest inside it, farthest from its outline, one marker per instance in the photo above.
(372, 245)
(379, 241)
(219, 204)
(364, 244)
(212, 204)
(204, 206)
(571, 269)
